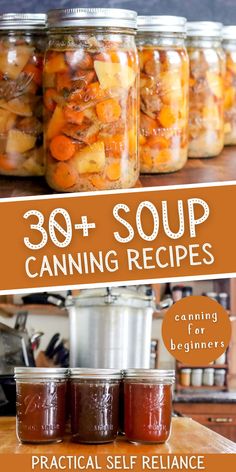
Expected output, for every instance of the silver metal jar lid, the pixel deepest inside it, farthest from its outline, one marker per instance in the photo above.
(103, 17)
(204, 28)
(164, 23)
(86, 373)
(47, 373)
(167, 376)
(25, 21)
(229, 32)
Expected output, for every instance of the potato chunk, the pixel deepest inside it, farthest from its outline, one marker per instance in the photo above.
(91, 158)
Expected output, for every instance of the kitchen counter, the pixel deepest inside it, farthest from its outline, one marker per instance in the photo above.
(218, 169)
(187, 436)
(208, 397)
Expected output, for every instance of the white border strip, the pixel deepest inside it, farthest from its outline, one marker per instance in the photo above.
(119, 283)
(119, 192)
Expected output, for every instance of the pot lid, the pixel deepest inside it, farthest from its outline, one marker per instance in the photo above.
(112, 296)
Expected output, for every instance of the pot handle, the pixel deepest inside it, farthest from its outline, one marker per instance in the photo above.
(164, 304)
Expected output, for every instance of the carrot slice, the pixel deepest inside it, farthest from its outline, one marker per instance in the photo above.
(48, 97)
(113, 171)
(62, 148)
(166, 117)
(98, 181)
(34, 72)
(158, 142)
(64, 176)
(108, 110)
(73, 116)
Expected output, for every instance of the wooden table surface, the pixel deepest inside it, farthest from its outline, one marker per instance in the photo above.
(187, 436)
(217, 169)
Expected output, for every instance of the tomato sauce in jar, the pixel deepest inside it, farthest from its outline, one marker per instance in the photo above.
(94, 405)
(41, 404)
(148, 405)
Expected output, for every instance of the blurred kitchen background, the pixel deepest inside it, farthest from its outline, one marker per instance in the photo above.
(119, 327)
(217, 10)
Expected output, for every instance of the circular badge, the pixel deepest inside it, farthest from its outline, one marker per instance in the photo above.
(196, 330)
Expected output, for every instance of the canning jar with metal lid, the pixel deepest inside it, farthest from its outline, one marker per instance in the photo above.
(40, 404)
(22, 45)
(206, 97)
(164, 76)
(148, 404)
(95, 395)
(229, 46)
(90, 98)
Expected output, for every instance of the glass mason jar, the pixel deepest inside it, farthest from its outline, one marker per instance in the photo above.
(148, 404)
(94, 405)
(229, 46)
(206, 95)
(90, 98)
(40, 404)
(22, 46)
(164, 76)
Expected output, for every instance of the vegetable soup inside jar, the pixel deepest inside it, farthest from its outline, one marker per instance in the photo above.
(148, 404)
(164, 70)
(206, 98)
(40, 404)
(229, 46)
(22, 45)
(91, 98)
(95, 395)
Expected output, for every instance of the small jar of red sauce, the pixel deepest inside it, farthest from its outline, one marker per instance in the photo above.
(40, 404)
(94, 405)
(148, 405)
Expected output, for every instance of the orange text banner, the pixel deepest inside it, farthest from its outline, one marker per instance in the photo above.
(115, 237)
